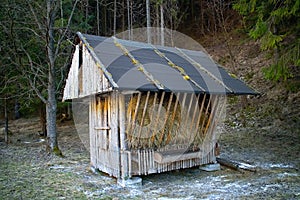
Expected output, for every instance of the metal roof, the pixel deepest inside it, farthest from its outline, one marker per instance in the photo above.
(141, 66)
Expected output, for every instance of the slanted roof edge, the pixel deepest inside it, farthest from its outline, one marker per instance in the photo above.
(98, 62)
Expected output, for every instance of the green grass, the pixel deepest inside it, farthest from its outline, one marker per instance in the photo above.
(23, 181)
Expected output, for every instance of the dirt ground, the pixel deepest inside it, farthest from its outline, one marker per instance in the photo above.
(29, 172)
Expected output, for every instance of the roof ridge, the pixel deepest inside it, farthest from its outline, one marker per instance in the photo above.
(140, 67)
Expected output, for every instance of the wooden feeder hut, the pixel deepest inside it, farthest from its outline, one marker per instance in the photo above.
(152, 109)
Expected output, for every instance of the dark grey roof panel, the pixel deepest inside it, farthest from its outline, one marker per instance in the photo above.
(213, 79)
(239, 87)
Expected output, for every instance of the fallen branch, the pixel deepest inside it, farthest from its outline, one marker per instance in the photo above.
(236, 165)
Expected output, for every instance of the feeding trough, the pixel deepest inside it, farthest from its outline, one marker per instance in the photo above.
(152, 109)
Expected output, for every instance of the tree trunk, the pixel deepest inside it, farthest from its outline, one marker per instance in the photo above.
(162, 37)
(17, 110)
(115, 16)
(157, 25)
(51, 105)
(148, 21)
(123, 17)
(128, 20)
(43, 119)
(86, 13)
(6, 121)
(98, 18)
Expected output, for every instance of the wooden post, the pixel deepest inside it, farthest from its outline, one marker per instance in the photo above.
(114, 134)
(93, 146)
(123, 146)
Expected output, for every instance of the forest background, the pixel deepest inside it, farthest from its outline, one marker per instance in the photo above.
(36, 42)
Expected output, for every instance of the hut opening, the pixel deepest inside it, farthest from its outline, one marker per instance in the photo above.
(151, 109)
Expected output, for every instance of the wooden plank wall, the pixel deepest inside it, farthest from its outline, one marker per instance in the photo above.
(109, 147)
(93, 79)
(71, 87)
(104, 134)
(86, 79)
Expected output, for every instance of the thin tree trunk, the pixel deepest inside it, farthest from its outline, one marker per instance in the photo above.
(128, 19)
(86, 13)
(6, 121)
(162, 37)
(105, 18)
(115, 16)
(157, 24)
(51, 105)
(148, 21)
(43, 120)
(17, 110)
(123, 17)
(98, 18)
(131, 19)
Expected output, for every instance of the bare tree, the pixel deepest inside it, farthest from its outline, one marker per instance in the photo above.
(53, 42)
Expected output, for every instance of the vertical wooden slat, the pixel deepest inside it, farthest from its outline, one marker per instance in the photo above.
(212, 113)
(187, 119)
(205, 115)
(173, 118)
(151, 116)
(166, 118)
(157, 117)
(92, 133)
(143, 115)
(104, 122)
(198, 133)
(196, 104)
(131, 126)
(139, 162)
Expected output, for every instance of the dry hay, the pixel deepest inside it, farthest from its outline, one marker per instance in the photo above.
(162, 121)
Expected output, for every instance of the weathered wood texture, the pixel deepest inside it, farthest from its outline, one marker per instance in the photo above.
(85, 78)
(104, 134)
(114, 126)
(71, 87)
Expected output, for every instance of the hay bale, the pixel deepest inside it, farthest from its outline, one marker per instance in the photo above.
(154, 125)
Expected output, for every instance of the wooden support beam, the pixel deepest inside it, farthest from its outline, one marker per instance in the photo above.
(175, 155)
(239, 166)
(102, 128)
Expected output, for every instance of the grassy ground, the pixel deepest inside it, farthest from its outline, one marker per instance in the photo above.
(29, 172)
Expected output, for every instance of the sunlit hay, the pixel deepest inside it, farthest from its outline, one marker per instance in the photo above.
(149, 128)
